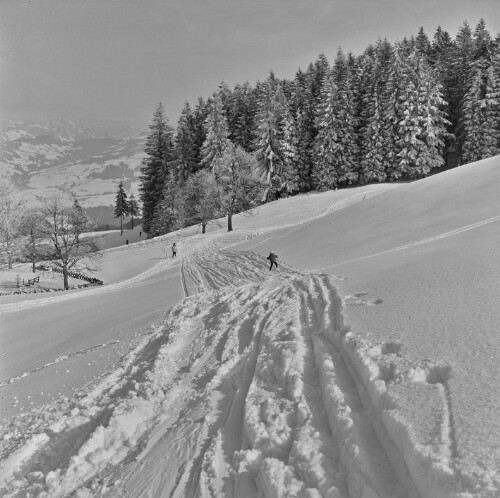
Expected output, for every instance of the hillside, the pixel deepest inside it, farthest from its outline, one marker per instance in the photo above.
(44, 159)
(367, 366)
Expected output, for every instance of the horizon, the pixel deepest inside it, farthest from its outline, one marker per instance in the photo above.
(62, 63)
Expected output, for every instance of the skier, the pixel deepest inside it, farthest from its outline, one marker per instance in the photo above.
(273, 258)
(174, 250)
(126, 242)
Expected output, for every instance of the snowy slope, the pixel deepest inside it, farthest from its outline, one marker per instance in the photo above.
(366, 367)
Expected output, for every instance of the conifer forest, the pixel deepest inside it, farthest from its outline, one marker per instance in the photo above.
(397, 112)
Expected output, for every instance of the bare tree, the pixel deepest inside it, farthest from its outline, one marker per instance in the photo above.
(65, 228)
(32, 228)
(12, 208)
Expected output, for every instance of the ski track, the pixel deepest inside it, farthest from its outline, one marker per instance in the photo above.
(440, 236)
(253, 386)
(59, 359)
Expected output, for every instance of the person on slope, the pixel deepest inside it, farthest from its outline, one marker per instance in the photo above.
(273, 258)
(174, 250)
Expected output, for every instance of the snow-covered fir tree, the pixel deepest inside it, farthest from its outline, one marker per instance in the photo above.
(184, 146)
(481, 111)
(268, 144)
(415, 116)
(373, 143)
(461, 59)
(217, 133)
(335, 148)
(291, 160)
(168, 215)
(303, 111)
(242, 115)
(422, 43)
(154, 170)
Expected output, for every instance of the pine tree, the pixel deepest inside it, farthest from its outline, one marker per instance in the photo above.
(440, 50)
(305, 99)
(481, 112)
(217, 134)
(289, 145)
(184, 163)
(335, 148)
(302, 108)
(133, 208)
(154, 170)
(482, 40)
(373, 146)
(268, 145)
(416, 118)
(374, 136)
(461, 60)
(423, 44)
(168, 215)
(121, 205)
(242, 114)
(200, 114)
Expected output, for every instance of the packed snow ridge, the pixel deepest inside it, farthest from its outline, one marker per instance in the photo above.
(255, 389)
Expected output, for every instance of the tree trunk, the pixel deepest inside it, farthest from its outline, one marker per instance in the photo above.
(121, 225)
(132, 222)
(229, 222)
(9, 249)
(203, 227)
(33, 260)
(65, 277)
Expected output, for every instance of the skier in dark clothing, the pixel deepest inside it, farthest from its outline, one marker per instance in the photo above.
(273, 258)
(174, 250)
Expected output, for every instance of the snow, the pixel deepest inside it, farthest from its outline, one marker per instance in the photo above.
(367, 366)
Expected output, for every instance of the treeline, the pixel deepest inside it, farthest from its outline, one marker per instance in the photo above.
(395, 112)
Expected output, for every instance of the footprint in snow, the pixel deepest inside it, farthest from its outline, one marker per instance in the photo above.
(359, 299)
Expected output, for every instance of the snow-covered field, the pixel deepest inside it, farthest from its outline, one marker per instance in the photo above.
(367, 366)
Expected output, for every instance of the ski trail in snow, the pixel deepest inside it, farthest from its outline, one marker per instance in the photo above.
(444, 235)
(253, 386)
(293, 227)
(59, 359)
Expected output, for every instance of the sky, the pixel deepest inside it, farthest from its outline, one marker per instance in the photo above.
(112, 60)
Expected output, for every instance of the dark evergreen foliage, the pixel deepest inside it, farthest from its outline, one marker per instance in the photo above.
(133, 208)
(121, 205)
(396, 112)
(155, 167)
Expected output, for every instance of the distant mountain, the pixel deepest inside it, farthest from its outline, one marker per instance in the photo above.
(85, 162)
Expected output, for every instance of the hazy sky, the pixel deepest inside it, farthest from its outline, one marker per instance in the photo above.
(89, 60)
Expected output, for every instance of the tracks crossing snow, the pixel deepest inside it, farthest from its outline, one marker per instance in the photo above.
(253, 386)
